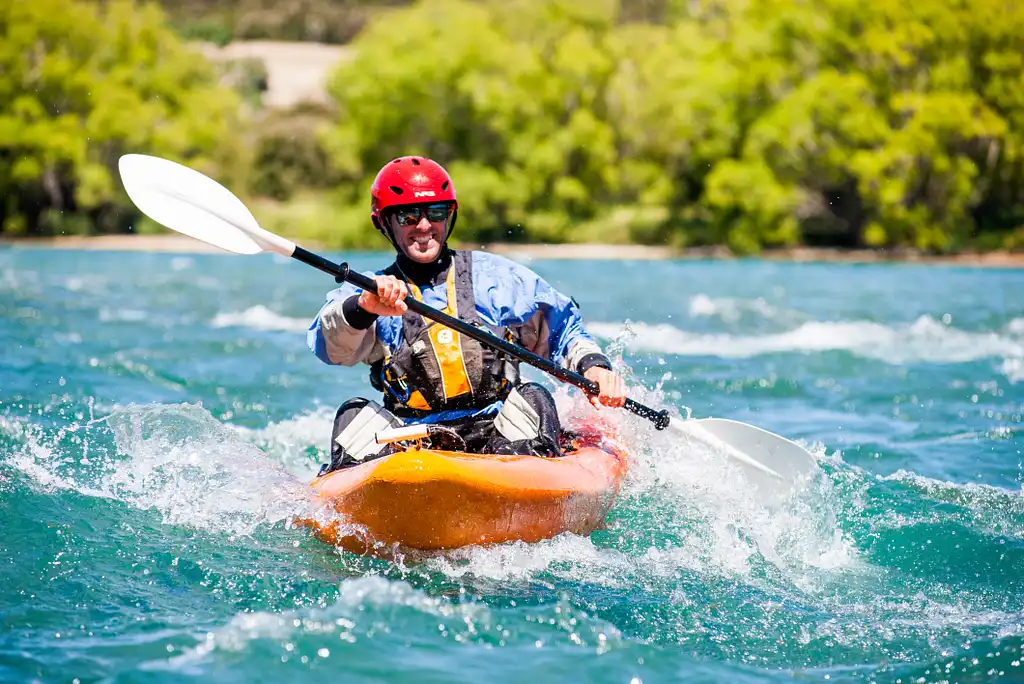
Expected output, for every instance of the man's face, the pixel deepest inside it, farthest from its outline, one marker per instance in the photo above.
(420, 230)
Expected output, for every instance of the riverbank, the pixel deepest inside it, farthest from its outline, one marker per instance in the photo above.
(296, 72)
(182, 244)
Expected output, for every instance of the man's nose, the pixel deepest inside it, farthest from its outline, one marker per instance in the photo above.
(424, 223)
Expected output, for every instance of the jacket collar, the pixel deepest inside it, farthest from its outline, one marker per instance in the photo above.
(426, 275)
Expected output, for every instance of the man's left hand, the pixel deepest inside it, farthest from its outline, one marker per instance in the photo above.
(612, 387)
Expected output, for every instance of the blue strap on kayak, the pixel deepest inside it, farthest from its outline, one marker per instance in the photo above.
(456, 414)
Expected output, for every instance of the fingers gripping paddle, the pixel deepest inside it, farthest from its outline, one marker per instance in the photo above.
(190, 203)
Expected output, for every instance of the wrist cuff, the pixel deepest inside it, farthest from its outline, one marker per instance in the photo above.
(357, 317)
(591, 360)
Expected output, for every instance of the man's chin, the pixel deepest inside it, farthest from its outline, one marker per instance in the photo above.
(423, 255)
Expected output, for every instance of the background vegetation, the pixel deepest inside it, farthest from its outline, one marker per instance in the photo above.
(325, 21)
(748, 123)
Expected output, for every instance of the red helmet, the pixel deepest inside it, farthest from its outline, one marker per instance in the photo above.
(410, 180)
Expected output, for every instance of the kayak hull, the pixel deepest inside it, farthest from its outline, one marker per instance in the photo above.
(433, 500)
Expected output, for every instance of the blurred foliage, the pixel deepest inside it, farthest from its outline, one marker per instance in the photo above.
(749, 123)
(746, 122)
(320, 220)
(79, 86)
(247, 76)
(221, 21)
(288, 154)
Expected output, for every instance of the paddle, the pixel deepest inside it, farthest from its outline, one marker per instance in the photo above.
(188, 202)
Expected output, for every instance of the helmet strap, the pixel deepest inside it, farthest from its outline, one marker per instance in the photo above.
(383, 224)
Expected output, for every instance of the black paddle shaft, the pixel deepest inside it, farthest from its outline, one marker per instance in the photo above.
(342, 272)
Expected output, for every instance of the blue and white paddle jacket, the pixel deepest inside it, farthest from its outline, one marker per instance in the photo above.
(429, 372)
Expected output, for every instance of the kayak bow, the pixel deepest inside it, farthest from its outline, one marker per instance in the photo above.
(430, 500)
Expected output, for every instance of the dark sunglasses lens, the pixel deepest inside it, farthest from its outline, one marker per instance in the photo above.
(408, 217)
(437, 212)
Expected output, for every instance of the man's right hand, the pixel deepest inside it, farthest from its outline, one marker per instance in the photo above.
(389, 298)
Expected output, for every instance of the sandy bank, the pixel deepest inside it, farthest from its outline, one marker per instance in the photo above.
(117, 243)
(186, 245)
(296, 72)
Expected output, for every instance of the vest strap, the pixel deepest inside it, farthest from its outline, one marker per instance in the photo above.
(447, 343)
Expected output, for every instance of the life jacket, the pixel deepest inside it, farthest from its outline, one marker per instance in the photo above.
(435, 368)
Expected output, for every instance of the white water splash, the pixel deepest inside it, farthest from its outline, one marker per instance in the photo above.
(732, 310)
(196, 472)
(568, 555)
(369, 607)
(1013, 369)
(176, 459)
(924, 340)
(731, 529)
(290, 442)
(699, 517)
(42, 463)
(988, 509)
(362, 608)
(260, 317)
(727, 529)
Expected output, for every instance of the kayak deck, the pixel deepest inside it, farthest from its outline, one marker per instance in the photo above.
(431, 500)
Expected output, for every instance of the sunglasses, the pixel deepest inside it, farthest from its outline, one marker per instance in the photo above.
(411, 215)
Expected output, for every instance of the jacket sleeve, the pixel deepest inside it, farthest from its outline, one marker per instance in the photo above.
(571, 345)
(550, 323)
(342, 334)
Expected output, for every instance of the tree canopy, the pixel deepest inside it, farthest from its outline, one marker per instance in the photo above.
(749, 122)
(79, 86)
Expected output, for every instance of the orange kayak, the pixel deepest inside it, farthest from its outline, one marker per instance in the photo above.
(430, 500)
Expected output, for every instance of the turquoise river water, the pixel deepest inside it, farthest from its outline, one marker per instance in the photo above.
(160, 416)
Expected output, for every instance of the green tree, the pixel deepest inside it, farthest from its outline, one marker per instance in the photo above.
(748, 122)
(878, 128)
(81, 85)
(513, 104)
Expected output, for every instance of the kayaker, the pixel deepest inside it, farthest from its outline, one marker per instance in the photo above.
(429, 373)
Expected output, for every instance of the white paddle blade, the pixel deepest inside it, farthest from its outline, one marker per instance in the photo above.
(774, 464)
(190, 203)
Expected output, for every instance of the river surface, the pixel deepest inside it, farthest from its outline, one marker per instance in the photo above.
(160, 416)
